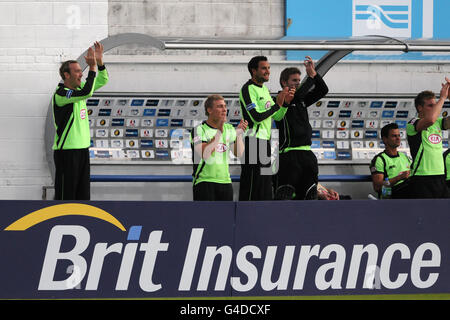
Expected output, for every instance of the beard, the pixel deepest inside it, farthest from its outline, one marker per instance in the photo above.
(260, 79)
(394, 145)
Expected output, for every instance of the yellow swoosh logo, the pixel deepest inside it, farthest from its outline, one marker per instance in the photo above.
(60, 210)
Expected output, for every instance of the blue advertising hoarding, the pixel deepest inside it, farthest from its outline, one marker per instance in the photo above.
(237, 249)
(400, 19)
(119, 249)
(341, 248)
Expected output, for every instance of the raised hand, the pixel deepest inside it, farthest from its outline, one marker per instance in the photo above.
(90, 59)
(309, 66)
(444, 90)
(289, 95)
(447, 80)
(98, 52)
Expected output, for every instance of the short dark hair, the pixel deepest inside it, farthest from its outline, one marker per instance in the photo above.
(65, 67)
(286, 73)
(387, 128)
(210, 100)
(254, 63)
(421, 97)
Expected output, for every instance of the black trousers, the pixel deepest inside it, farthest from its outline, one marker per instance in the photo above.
(403, 190)
(426, 187)
(299, 169)
(210, 191)
(256, 177)
(72, 177)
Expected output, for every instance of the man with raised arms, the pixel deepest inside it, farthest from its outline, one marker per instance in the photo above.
(425, 142)
(72, 136)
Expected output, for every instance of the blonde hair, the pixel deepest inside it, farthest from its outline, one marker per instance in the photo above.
(209, 102)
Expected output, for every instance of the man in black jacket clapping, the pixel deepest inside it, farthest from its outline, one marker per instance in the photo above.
(297, 177)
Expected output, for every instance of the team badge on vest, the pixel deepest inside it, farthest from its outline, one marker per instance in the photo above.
(221, 148)
(268, 104)
(196, 139)
(83, 114)
(435, 138)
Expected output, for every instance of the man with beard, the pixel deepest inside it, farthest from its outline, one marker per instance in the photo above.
(258, 109)
(391, 164)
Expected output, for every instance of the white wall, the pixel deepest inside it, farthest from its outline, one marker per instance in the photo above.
(198, 18)
(35, 36)
(402, 77)
(211, 73)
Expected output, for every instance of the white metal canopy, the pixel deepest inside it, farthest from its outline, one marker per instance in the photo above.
(368, 43)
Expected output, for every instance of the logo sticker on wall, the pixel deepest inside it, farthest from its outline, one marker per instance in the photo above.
(400, 19)
(382, 17)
